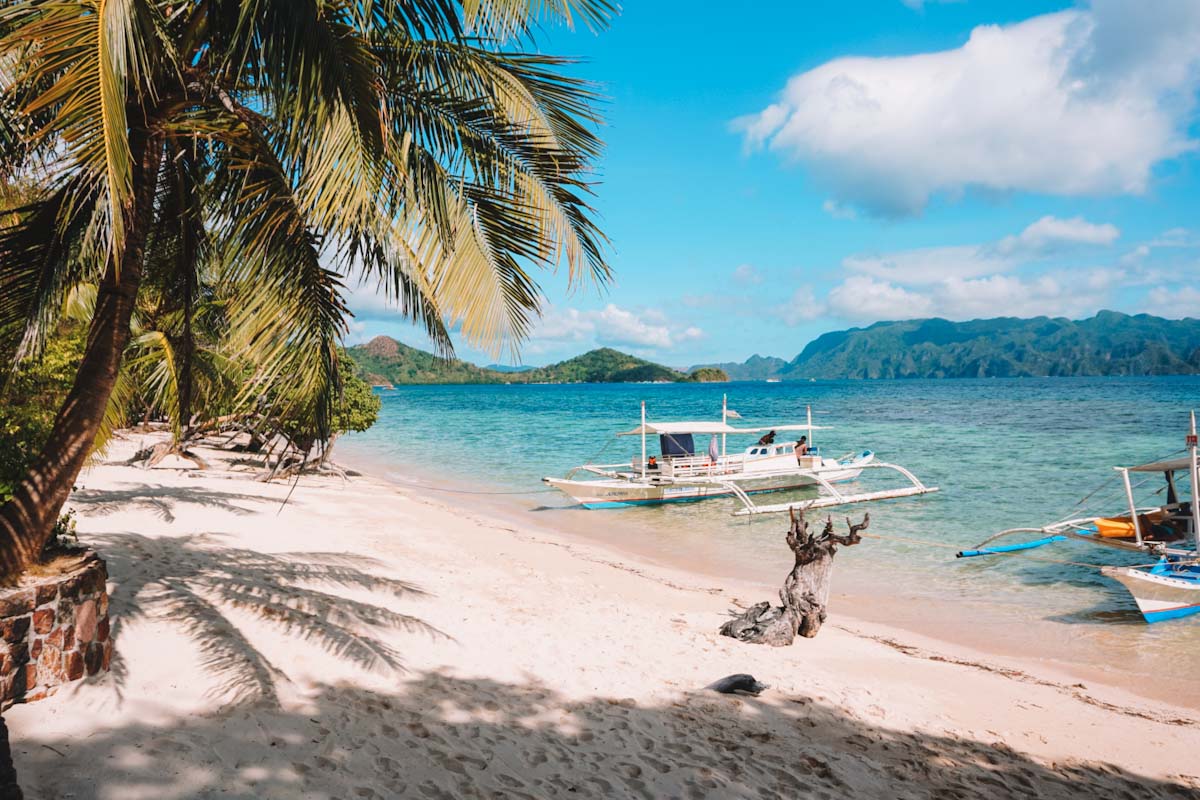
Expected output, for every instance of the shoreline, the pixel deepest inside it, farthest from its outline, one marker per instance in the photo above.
(362, 641)
(954, 628)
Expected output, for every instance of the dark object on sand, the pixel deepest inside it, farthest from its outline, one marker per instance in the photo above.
(805, 591)
(738, 684)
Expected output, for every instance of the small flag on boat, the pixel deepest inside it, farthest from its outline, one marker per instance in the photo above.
(729, 412)
(713, 452)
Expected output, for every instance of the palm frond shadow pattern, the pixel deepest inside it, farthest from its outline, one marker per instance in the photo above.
(198, 584)
(162, 500)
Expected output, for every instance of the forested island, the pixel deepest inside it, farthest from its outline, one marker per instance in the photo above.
(385, 361)
(1109, 343)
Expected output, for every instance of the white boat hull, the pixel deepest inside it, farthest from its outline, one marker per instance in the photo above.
(616, 493)
(1163, 592)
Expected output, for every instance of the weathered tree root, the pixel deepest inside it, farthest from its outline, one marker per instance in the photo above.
(151, 456)
(805, 591)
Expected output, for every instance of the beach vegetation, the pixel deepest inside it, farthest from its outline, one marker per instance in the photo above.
(32, 395)
(285, 148)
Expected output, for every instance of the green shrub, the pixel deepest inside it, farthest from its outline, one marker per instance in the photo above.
(30, 401)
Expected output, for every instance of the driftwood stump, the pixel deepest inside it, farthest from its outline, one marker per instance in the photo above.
(805, 591)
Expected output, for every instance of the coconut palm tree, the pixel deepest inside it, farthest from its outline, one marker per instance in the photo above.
(301, 144)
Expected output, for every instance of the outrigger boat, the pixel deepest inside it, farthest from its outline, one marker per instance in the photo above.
(686, 470)
(1169, 587)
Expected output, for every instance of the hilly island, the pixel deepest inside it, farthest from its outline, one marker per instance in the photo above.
(1109, 343)
(384, 360)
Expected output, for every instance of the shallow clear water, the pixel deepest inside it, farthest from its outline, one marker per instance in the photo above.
(1005, 453)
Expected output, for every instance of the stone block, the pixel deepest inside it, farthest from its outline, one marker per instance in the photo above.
(73, 665)
(94, 579)
(66, 609)
(62, 637)
(15, 602)
(85, 621)
(93, 659)
(43, 620)
(63, 625)
(46, 593)
(14, 629)
(50, 666)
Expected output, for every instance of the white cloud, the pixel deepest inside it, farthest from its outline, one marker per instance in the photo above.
(839, 210)
(861, 297)
(1173, 302)
(747, 275)
(919, 5)
(930, 264)
(802, 307)
(1136, 256)
(1175, 237)
(1051, 234)
(926, 265)
(610, 326)
(1079, 102)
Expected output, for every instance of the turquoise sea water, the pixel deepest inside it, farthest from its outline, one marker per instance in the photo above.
(1005, 453)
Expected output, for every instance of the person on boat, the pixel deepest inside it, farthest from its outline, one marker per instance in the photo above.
(652, 463)
(802, 447)
(768, 438)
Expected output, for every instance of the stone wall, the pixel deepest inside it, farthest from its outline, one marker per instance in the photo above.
(53, 631)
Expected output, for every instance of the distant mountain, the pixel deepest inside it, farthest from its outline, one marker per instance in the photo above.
(383, 360)
(601, 366)
(755, 368)
(1108, 344)
(507, 368)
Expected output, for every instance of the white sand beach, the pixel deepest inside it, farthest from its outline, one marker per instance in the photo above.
(363, 641)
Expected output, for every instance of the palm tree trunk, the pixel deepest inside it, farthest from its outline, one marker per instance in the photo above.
(27, 520)
(9, 788)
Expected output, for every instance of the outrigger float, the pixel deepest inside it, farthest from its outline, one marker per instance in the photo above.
(684, 471)
(1169, 587)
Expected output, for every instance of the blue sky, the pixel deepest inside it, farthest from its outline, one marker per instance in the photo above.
(775, 173)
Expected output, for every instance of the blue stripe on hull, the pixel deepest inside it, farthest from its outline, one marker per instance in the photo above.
(1171, 613)
(661, 500)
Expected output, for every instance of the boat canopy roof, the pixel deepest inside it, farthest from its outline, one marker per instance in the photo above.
(1170, 465)
(657, 428)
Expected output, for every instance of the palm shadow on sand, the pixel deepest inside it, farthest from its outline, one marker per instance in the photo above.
(443, 737)
(162, 500)
(196, 582)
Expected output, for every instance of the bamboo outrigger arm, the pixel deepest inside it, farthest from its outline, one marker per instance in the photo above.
(834, 497)
(1059, 532)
